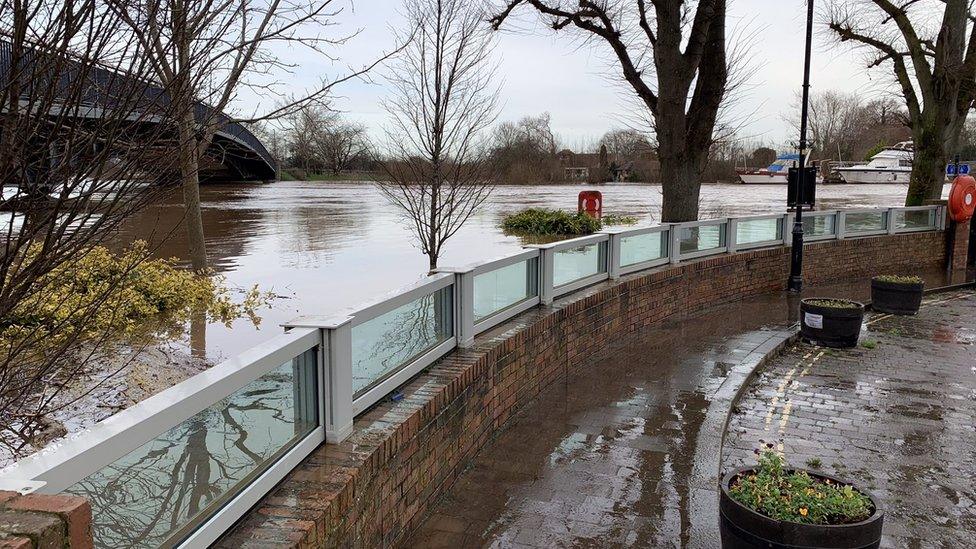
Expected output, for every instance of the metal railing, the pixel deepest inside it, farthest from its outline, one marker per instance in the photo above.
(226, 436)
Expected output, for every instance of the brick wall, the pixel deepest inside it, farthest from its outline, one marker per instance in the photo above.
(44, 522)
(376, 486)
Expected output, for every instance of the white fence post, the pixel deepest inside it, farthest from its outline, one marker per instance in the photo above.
(890, 220)
(731, 230)
(674, 247)
(613, 253)
(788, 219)
(840, 224)
(338, 380)
(546, 275)
(464, 307)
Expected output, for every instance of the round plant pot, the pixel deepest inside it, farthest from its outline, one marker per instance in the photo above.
(831, 326)
(743, 528)
(895, 297)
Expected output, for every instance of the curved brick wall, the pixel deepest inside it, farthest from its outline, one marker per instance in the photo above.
(376, 486)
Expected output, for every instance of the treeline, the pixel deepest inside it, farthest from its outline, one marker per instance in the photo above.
(317, 142)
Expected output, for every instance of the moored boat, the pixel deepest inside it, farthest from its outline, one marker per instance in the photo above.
(890, 165)
(774, 174)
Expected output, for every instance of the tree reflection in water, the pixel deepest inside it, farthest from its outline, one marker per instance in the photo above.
(160, 492)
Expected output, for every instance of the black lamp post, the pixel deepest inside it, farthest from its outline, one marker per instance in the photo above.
(795, 283)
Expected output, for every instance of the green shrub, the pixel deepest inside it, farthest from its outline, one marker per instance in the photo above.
(774, 490)
(544, 221)
(899, 279)
(616, 219)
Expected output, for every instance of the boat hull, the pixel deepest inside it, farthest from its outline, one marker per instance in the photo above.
(763, 179)
(874, 176)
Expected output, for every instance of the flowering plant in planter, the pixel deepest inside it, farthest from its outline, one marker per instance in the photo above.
(831, 322)
(791, 495)
(775, 506)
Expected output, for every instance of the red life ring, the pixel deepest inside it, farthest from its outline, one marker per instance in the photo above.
(962, 198)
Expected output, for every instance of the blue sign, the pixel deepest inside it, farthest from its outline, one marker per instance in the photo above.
(963, 169)
(951, 169)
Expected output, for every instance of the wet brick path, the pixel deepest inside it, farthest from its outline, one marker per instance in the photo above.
(895, 414)
(624, 453)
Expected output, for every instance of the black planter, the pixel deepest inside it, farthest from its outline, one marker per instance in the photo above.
(743, 528)
(896, 297)
(829, 326)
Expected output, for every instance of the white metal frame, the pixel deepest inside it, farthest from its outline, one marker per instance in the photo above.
(892, 215)
(616, 238)
(676, 228)
(833, 235)
(732, 234)
(63, 464)
(547, 290)
(843, 215)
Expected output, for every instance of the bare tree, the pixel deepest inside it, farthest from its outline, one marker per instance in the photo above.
(524, 151)
(837, 123)
(80, 150)
(205, 51)
(438, 167)
(302, 128)
(339, 142)
(673, 56)
(934, 64)
(625, 143)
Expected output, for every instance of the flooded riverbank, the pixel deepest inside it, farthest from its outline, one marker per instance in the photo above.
(326, 246)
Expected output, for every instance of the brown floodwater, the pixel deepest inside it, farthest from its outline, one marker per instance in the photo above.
(326, 246)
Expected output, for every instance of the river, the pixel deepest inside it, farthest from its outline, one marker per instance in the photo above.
(326, 246)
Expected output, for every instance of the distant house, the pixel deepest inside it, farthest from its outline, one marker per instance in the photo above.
(578, 166)
(587, 166)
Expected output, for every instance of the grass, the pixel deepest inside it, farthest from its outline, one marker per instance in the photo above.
(550, 222)
(814, 463)
(869, 344)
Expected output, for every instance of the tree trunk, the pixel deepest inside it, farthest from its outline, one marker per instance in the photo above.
(680, 174)
(190, 177)
(928, 175)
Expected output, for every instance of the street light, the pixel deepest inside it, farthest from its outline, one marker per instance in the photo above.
(795, 283)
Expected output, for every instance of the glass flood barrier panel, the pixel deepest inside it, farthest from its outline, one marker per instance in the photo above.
(643, 247)
(578, 263)
(501, 288)
(856, 222)
(701, 238)
(749, 231)
(158, 494)
(914, 219)
(820, 225)
(382, 345)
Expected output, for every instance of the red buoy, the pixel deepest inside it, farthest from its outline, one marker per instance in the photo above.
(962, 198)
(591, 202)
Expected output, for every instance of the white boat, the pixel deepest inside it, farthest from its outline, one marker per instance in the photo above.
(775, 174)
(891, 165)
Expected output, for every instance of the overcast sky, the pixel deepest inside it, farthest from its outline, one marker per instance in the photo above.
(545, 71)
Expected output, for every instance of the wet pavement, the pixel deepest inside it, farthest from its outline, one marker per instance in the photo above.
(894, 415)
(624, 453)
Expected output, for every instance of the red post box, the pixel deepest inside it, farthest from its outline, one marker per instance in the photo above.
(591, 202)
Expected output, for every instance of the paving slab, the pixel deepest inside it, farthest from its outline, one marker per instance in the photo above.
(894, 415)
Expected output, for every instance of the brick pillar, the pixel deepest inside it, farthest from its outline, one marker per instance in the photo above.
(38, 521)
(959, 233)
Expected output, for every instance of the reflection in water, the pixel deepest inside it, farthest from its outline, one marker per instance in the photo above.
(327, 246)
(161, 491)
(382, 344)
